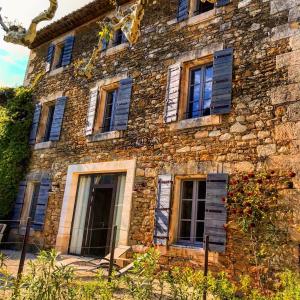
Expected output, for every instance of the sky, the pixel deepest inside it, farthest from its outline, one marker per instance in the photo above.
(13, 58)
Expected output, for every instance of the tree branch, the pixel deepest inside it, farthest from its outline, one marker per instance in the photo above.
(5, 28)
(44, 16)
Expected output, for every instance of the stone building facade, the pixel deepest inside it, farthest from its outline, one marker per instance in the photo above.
(206, 92)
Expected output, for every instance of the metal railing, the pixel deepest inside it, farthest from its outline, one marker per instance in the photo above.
(24, 244)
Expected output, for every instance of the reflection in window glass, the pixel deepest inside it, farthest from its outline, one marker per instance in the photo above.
(200, 92)
(109, 109)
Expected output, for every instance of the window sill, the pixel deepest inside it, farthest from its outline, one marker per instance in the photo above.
(115, 49)
(204, 17)
(196, 122)
(105, 136)
(44, 145)
(191, 247)
(57, 71)
(193, 20)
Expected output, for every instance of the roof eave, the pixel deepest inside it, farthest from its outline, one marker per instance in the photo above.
(77, 18)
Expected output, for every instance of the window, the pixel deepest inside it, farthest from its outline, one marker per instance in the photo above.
(46, 121)
(109, 110)
(105, 104)
(192, 213)
(202, 7)
(34, 200)
(58, 56)
(49, 123)
(119, 38)
(200, 91)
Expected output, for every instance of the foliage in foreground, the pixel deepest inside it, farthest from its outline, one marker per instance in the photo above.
(47, 279)
(16, 111)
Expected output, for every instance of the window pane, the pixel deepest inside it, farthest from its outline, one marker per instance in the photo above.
(208, 90)
(194, 101)
(49, 123)
(187, 192)
(199, 232)
(118, 37)
(200, 210)
(203, 7)
(104, 179)
(185, 230)
(34, 200)
(186, 209)
(196, 77)
(110, 99)
(201, 189)
(195, 93)
(200, 92)
(208, 73)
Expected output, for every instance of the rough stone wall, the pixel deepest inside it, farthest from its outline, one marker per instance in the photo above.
(261, 131)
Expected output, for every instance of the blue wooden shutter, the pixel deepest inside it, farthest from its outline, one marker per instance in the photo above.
(173, 93)
(163, 208)
(183, 10)
(17, 210)
(58, 118)
(41, 207)
(222, 82)
(122, 105)
(104, 44)
(35, 123)
(215, 211)
(68, 51)
(222, 3)
(94, 95)
(50, 56)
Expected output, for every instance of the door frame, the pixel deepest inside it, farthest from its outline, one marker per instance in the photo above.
(68, 205)
(94, 186)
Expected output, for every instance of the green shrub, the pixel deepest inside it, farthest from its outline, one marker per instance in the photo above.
(16, 111)
(221, 287)
(140, 281)
(186, 283)
(100, 289)
(289, 286)
(46, 279)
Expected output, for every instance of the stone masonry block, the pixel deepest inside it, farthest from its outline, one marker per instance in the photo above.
(286, 93)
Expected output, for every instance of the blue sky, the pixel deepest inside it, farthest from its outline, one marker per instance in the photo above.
(13, 58)
(12, 68)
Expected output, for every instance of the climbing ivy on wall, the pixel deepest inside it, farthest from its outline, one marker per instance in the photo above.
(16, 111)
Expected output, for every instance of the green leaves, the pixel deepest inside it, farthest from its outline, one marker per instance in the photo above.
(16, 109)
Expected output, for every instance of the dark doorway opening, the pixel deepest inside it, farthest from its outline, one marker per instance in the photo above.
(98, 216)
(99, 222)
